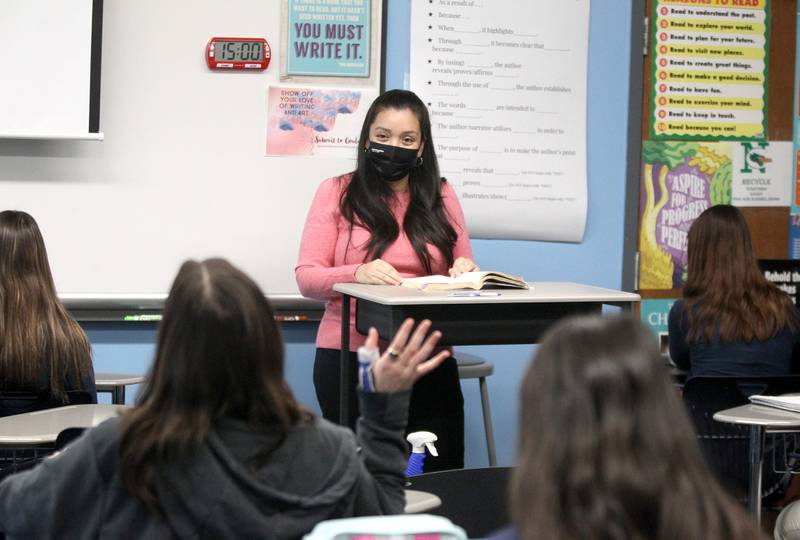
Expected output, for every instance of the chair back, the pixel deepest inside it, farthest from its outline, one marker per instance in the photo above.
(725, 446)
(475, 499)
(22, 402)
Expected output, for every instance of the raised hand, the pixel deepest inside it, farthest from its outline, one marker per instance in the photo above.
(407, 358)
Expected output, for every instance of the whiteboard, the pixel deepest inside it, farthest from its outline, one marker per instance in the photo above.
(182, 171)
(47, 60)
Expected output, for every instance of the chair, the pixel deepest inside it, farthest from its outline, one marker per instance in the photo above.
(725, 446)
(12, 403)
(35, 455)
(475, 499)
(22, 402)
(471, 366)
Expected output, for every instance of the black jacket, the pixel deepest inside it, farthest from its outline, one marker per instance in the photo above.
(317, 473)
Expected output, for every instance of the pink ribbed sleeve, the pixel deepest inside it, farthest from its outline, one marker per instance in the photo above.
(316, 272)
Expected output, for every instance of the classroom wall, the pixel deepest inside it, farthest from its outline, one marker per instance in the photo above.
(596, 261)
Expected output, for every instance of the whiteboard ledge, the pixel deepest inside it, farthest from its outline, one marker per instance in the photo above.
(56, 136)
(155, 301)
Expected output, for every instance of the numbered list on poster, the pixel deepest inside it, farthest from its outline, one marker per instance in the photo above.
(709, 69)
(505, 83)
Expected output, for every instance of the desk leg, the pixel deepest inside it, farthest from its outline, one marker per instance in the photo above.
(344, 362)
(756, 463)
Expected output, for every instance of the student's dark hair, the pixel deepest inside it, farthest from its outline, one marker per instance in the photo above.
(219, 354)
(726, 295)
(36, 332)
(606, 450)
(366, 199)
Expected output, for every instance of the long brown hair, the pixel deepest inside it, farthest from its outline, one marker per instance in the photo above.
(35, 329)
(365, 201)
(219, 354)
(726, 295)
(606, 450)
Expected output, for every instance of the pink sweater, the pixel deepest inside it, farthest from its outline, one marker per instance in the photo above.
(326, 259)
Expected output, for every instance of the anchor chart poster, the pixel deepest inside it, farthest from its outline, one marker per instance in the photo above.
(709, 69)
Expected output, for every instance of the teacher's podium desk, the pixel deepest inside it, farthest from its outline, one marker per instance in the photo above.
(512, 316)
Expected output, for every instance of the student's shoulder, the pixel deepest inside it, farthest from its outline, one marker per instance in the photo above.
(105, 436)
(677, 308)
(323, 436)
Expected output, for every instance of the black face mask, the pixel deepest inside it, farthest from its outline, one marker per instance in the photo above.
(391, 162)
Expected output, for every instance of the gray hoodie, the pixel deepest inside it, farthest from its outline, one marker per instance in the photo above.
(317, 473)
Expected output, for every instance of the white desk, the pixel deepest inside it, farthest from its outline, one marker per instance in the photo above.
(116, 383)
(42, 427)
(516, 316)
(761, 420)
(418, 502)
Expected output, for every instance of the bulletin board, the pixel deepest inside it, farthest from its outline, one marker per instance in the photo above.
(769, 225)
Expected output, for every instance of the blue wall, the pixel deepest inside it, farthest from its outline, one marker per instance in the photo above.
(596, 261)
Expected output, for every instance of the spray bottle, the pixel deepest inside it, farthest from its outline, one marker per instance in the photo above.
(367, 356)
(420, 440)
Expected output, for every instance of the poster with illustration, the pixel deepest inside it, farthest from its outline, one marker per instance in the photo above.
(679, 181)
(315, 121)
(762, 173)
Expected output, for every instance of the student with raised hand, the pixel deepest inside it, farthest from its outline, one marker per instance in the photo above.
(731, 320)
(217, 446)
(44, 353)
(606, 449)
(393, 217)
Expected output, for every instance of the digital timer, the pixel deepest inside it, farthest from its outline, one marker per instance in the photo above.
(226, 53)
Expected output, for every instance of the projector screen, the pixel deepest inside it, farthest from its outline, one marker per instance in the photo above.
(51, 69)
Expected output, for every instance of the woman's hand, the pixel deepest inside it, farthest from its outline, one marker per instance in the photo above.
(461, 265)
(378, 272)
(405, 360)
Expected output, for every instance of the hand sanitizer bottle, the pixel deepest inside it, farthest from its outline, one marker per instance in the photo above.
(420, 440)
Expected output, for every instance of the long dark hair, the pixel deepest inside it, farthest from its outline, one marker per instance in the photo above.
(35, 328)
(366, 199)
(726, 295)
(606, 450)
(219, 354)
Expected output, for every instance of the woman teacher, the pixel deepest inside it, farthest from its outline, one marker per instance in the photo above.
(392, 218)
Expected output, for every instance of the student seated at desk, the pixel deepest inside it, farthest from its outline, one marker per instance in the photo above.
(605, 446)
(217, 446)
(731, 321)
(45, 357)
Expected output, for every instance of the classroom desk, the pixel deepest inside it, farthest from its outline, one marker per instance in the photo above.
(116, 383)
(418, 502)
(761, 420)
(42, 427)
(515, 316)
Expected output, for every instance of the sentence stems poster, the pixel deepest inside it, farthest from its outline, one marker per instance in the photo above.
(505, 83)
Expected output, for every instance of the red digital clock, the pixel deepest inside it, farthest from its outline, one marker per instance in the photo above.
(227, 53)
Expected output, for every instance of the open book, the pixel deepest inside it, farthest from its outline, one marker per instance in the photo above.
(467, 280)
(787, 402)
